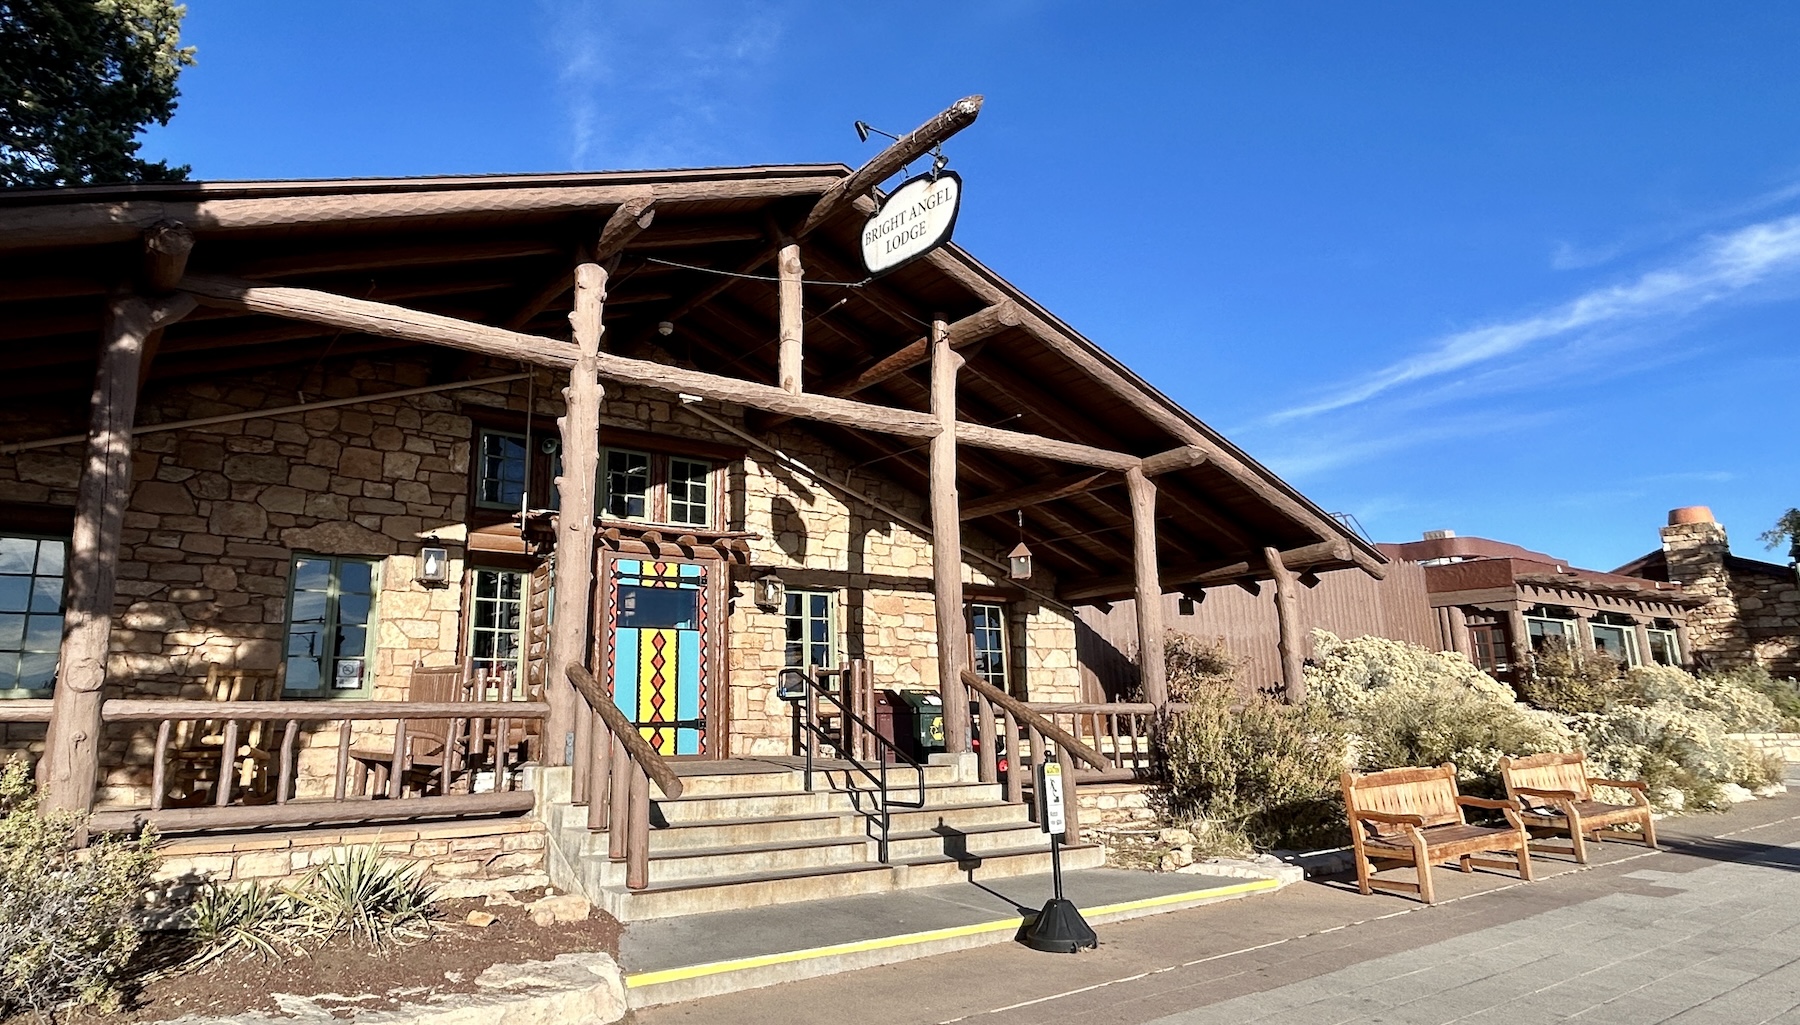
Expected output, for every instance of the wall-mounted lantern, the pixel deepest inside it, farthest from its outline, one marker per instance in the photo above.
(1020, 557)
(771, 592)
(434, 564)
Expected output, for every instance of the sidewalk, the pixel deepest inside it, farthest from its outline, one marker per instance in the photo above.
(1639, 932)
(704, 955)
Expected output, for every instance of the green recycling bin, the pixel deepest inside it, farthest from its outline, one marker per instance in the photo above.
(918, 722)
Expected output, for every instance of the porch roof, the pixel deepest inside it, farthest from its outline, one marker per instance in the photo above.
(491, 250)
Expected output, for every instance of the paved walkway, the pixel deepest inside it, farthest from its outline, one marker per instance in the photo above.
(1705, 932)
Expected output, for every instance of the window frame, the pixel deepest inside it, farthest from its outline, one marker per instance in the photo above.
(833, 648)
(325, 692)
(478, 468)
(1004, 612)
(1672, 644)
(521, 661)
(62, 608)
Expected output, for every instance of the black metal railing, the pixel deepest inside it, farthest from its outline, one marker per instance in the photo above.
(806, 690)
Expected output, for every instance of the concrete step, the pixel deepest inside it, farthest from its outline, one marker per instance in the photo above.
(957, 816)
(738, 832)
(745, 805)
(727, 893)
(899, 776)
(774, 780)
(936, 794)
(995, 864)
(925, 843)
(747, 859)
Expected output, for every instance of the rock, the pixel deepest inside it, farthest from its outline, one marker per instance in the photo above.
(502, 899)
(1182, 856)
(1167, 863)
(1175, 837)
(1772, 790)
(1672, 799)
(566, 907)
(481, 919)
(1735, 794)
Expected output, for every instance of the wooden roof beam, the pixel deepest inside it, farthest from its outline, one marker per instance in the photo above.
(1048, 491)
(905, 150)
(627, 219)
(1176, 578)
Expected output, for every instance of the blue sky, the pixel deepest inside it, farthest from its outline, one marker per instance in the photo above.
(1528, 271)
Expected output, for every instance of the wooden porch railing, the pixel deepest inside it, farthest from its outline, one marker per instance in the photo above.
(1026, 733)
(471, 736)
(1122, 732)
(619, 765)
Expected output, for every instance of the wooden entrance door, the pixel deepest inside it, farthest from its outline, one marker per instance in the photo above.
(659, 631)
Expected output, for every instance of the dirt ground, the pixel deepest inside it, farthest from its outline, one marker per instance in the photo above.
(354, 973)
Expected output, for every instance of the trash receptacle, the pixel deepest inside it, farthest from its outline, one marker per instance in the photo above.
(918, 722)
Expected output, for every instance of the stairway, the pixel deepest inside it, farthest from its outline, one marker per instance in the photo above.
(746, 833)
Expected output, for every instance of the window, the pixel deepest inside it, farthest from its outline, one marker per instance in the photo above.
(1489, 643)
(1665, 649)
(501, 474)
(811, 629)
(987, 642)
(1546, 624)
(690, 492)
(496, 621)
(331, 608)
(31, 613)
(1616, 635)
(625, 484)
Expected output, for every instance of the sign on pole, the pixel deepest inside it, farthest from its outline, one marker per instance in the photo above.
(917, 218)
(1051, 787)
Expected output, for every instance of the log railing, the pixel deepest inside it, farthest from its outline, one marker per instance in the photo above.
(619, 765)
(1026, 735)
(1122, 732)
(434, 777)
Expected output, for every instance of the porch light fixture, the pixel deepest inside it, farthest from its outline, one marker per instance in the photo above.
(771, 592)
(434, 564)
(1020, 557)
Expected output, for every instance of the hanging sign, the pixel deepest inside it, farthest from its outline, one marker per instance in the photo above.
(1050, 784)
(915, 219)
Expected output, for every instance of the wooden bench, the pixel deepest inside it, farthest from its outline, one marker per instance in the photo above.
(1415, 816)
(1556, 795)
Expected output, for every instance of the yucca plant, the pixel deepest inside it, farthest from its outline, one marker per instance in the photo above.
(250, 917)
(367, 896)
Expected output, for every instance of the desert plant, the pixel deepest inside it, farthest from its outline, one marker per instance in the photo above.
(370, 897)
(1193, 664)
(1562, 679)
(1262, 769)
(68, 915)
(1739, 708)
(1784, 694)
(251, 917)
(1405, 705)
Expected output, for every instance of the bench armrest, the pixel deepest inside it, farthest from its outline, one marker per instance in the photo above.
(1622, 784)
(1483, 802)
(1549, 795)
(1391, 819)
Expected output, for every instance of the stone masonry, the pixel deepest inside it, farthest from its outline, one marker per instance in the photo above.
(1752, 614)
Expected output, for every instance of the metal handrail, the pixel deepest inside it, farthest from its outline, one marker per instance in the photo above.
(810, 728)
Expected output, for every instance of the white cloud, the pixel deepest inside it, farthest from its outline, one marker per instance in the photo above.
(1725, 268)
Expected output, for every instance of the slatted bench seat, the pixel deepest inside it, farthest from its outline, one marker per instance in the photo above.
(1415, 816)
(1556, 795)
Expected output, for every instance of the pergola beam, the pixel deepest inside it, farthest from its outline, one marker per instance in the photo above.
(1049, 491)
(963, 333)
(1175, 578)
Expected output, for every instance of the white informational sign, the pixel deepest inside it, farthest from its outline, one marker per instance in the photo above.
(916, 219)
(1050, 784)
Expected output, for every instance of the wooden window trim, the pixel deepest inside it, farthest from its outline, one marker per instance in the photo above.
(325, 691)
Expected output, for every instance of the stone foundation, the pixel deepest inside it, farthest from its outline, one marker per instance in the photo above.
(463, 858)
(1115, 804)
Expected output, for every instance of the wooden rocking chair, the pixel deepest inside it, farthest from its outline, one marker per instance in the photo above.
(433, 752)
(197, 749)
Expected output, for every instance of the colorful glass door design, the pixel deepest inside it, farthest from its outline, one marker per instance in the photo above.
(656, 650)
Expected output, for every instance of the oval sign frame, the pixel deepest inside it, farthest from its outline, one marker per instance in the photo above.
(908, 203)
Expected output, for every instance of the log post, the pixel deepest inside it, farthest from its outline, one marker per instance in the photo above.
(788, 267)
(1459, 631)
(580, 426)
(71, 762)
(1287, 616)
(1153, 671)
(1641, 633)
(1518, 642)
(946, 541)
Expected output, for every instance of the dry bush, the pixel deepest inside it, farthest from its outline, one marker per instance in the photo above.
(69, 920)
(1562, 679)
(1194, 665)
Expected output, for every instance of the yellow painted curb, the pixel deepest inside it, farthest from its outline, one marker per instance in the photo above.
(640, 980)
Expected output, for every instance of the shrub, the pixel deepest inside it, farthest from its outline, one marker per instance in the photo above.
(249, 917)
(1262, 769)
(1562, 679)
(1193, 665)
(367, 896)
(68, 916)
(1681, 753)
(1784, 694)
(1404, 705)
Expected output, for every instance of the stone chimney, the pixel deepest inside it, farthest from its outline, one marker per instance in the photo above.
(1695, 546)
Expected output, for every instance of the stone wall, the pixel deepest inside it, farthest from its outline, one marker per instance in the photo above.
(218, 511)
(1752, 614)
